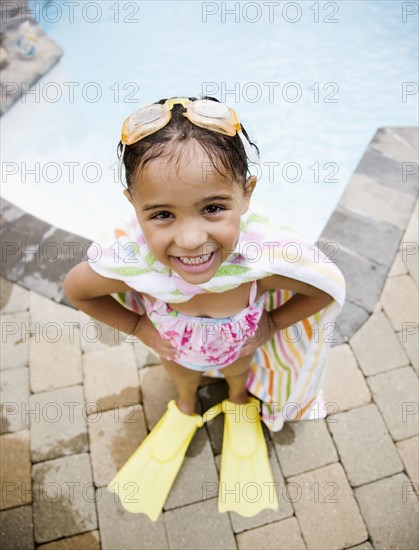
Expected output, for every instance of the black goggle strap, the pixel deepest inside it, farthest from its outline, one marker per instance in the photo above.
(120, 167)
(250, 150)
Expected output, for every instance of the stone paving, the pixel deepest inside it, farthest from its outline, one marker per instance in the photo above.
(78, 399)
(19, 74)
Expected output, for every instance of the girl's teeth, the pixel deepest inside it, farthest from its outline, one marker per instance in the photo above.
(198, 260)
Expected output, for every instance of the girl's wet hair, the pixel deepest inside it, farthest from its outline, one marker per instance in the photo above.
(226, 153)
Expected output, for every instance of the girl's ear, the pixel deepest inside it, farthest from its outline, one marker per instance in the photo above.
(127, 193)
(248, 190)
(250, 186)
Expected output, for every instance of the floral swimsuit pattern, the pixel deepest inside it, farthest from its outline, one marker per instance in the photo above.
(206, 343)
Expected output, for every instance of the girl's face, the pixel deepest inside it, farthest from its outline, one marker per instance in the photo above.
(190, 217)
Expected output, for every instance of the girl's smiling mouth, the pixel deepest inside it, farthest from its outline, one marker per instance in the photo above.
(195, 259)
(195, 264)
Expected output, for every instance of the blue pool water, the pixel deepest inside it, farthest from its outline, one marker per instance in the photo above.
(313, 81)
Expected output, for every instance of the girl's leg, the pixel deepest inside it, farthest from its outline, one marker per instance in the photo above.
(187, 382)
(236, 376)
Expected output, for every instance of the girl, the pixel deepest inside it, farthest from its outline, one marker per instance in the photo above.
(186, 278)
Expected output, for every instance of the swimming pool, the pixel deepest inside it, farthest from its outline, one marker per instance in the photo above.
(314, 80)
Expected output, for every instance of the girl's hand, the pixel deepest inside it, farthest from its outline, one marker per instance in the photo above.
(265, 331)
(149, 335)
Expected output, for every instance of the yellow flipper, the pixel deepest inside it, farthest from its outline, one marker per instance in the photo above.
(246, 482)
(144, 481)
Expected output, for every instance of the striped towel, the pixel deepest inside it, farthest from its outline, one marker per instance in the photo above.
(288, 371)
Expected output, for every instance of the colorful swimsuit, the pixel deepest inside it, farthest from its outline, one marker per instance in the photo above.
(205, 342)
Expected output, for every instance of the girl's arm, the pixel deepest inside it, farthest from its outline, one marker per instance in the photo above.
(90, 292)
(307, 301)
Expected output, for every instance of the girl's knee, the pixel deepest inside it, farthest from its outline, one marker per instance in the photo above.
(238, 368)
(178, 372)
(238, 374)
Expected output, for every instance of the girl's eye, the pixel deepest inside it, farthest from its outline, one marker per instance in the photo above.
(162, 215)
(214, 209)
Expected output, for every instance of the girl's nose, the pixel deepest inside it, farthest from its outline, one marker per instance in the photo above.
(191, 236)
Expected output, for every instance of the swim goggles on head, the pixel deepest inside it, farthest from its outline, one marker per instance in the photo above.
(205, 113)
